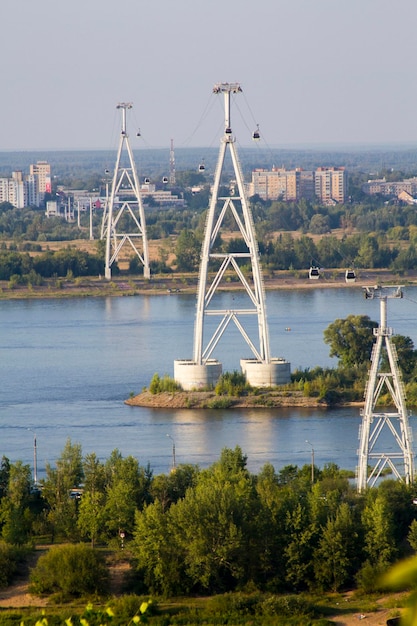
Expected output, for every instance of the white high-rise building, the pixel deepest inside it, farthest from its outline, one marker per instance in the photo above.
(32, 194)
(13, 190)
(42, 171)
(22, 191)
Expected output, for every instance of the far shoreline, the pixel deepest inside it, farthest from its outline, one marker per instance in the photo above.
(187, 284)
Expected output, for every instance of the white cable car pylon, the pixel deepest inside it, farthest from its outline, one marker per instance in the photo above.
(229, 260)
(203, 370)
(126, 184)
(376, 452)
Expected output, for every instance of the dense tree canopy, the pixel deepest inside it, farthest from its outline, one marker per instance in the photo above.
(214, 529)
(351, 339)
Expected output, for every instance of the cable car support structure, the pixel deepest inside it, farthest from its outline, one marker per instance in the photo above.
(203, 369)
(385, 436)
(125, 184)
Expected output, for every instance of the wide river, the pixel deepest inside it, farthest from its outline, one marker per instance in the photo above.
(66, 366)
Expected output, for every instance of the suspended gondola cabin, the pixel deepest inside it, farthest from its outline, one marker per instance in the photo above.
(314, 273)
(350, 276)
(256, 135)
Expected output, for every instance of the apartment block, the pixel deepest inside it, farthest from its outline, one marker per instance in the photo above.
(42, 172)
(13, 190)
(27, 190)
(328, 185)
(392, 188)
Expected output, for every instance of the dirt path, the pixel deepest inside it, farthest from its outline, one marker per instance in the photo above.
(17, 595)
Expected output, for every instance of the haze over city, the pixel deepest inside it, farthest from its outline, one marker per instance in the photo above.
(322, 72)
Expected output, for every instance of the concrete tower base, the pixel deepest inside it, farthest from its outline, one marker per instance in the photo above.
(258, 374)
(190, 375)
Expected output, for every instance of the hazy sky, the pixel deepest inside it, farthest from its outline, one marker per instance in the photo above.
(312, 71)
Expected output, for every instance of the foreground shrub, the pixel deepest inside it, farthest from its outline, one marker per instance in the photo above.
(70, 571)
(232, 384)
(234, 603)
(219, 403)
(287, 606)
(285, 609)
(166, 383)
(10, 556)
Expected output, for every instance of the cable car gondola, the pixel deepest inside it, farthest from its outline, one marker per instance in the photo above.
(147, 181)
(350, 276)
(201, 167)
(314, 273)
(256, 135)
(165, 180)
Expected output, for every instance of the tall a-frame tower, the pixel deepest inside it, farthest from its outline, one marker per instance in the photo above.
(385, 437)
(125, 201)
(261, 370)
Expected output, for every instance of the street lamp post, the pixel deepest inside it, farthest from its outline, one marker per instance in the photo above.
(312, 460)
(173, 453)
(35, 458)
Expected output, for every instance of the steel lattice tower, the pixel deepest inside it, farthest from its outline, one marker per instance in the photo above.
(373, 454)
(203, 370)
(125, 184)
(243, 219)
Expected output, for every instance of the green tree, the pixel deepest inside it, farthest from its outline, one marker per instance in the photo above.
(169, 488)
(188, 251)
(351, 339)
(158, 553)
(399, 500)
(331, 561)
(57, 490)
(299, 548)
(4, 475)
(213, 522)
(412, 535)
(319, 224)
(306, 252)
(407, 356)
(379, 530)
(127, 489)
(337, 550)
(15, 512)
(94, 474)
(268, 541)
(91, 515)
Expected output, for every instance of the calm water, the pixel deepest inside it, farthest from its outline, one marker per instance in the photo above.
(67, 365)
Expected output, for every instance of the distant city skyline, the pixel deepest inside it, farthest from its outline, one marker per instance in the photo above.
(322, 73)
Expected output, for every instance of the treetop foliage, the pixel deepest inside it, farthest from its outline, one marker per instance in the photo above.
(207, 531)
(351, 339)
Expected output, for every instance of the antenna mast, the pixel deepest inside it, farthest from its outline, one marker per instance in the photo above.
(124, 199)
(172, 180)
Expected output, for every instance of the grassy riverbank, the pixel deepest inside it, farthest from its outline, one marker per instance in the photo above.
(264, 398)
(160, 284)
